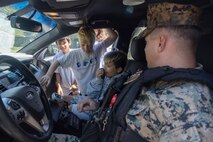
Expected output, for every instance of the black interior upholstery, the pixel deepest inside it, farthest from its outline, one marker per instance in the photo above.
(136, 49)
(205, 52)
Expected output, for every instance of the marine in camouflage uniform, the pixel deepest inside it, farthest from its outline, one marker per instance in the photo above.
(171, 111)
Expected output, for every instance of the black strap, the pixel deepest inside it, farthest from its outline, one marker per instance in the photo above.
(114, 87)
(130, 136)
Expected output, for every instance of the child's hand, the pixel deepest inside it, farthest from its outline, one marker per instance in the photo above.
(74, 88)
(100, 73)
(45, 80)
(60, 91)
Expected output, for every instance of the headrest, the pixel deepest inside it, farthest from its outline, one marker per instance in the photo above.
(137, 44)
(136, 49)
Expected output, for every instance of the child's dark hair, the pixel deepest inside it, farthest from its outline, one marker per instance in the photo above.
(118, 58)
(62, 39)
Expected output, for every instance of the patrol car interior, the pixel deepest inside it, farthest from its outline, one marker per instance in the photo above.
(25, 110)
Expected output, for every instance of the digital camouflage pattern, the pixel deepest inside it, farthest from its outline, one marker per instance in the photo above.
(171, 14)
(177, 111)
(63, 138)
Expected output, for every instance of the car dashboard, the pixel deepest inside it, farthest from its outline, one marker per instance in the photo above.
(11, 77)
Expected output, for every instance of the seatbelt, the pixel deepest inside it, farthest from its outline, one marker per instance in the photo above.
(114, 88)
(117, 130)
(94, 128)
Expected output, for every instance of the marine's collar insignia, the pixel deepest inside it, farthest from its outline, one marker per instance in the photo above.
(133, 77)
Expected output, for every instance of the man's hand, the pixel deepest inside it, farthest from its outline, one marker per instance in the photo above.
(87, 104)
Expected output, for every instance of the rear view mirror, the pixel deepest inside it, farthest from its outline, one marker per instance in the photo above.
(25, 24)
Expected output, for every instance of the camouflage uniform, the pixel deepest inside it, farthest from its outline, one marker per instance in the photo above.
(173, 111)
(63, 138)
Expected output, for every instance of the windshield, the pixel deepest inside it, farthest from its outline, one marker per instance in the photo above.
(12, 40)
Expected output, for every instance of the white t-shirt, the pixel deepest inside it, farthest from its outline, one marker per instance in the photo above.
(84, 66)
(67, 76)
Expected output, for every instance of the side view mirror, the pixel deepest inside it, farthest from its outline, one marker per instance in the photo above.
(25, 24)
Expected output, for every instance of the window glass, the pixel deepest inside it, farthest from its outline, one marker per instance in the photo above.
(12, 40)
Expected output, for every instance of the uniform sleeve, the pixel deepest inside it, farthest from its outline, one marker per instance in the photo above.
(180, 135)
(186, 113)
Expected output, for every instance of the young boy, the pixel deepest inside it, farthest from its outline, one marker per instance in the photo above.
(64, 76)
(115, 62)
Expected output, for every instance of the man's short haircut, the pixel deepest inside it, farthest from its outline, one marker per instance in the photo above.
(86, 34)
(63, 38)
(186, 33)
(118, 58)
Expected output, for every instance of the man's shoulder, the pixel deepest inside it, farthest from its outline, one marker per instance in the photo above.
(179, 86)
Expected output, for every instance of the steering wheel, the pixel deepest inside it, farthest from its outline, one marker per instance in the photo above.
(25, 110)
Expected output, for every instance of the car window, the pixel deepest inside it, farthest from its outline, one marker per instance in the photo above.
(12, 40)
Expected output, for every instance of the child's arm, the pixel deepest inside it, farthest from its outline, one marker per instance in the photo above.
(58, 84)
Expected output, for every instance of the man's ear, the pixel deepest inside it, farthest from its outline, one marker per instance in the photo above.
(162, 43)
(119, 69)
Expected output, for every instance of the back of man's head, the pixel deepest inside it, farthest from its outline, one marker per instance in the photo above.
(175, 28)
(182, 20)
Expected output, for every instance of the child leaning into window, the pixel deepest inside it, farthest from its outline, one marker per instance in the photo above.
(114, 64)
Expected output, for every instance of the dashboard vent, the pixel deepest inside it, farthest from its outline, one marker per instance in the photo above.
(2, 88)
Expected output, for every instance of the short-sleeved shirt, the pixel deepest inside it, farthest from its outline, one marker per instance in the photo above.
(173, 111)
(83, 65)
(67, 77)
